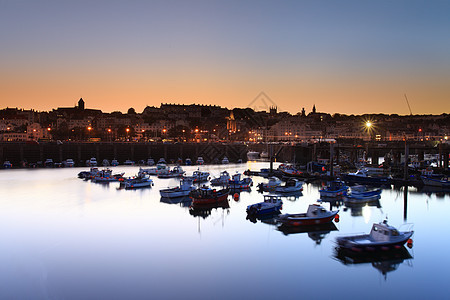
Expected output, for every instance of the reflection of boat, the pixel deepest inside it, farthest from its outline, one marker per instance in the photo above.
(183, 201)
(384, 261)
(315, 232)
(381, 237)
(237, 183)
(204, 211)
(180, 191)
(269, 186)
(315, 214)
(334, 188)
(292, 185)
(222, 179)
(205, 196)
(271, 204)
(356, 208)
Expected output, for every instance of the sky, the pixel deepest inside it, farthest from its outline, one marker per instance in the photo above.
(350, 57)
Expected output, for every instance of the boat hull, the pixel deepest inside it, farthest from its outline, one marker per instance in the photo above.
(307, 221)
(364, 244)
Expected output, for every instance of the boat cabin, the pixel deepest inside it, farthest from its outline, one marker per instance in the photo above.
(315, 210)
(383, 232)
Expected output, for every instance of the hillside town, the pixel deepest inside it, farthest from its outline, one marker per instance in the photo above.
(210, 123)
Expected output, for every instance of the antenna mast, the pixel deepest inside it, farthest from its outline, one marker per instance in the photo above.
(407, 102)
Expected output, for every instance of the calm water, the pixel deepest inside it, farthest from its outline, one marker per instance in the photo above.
(65, 238)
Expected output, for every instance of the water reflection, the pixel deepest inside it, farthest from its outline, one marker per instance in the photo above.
(315, 232)
(292, 196)
(271, 218)
(182, 201)
(204, 210)
(356, 209)
(384, 262)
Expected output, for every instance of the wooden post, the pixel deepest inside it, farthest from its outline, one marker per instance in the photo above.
(405, 175)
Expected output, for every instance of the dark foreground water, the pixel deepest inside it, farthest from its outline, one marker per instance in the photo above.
(65, 238)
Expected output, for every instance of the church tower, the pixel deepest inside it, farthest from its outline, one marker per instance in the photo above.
(314, 109)
(81, 104)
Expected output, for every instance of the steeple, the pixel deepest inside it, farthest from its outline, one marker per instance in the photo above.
(314, 109)
(81, 104)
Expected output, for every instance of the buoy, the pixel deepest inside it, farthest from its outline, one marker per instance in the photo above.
(409, 243)
(236, 196)
(336, 218)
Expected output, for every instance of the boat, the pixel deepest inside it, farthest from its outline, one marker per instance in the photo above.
(114, 163)
(225, 160)
(237, 183)
(68, 163)
(7, 164)
(106, 175)
(91, 162)
(88, 174)
(270, 186)
(180, 191)
(381, 237)
(198, 176)
(129, 162)
(150, 162)
(363, 176)
(188, 162)
(162, 161)
(291, 171)
(207, 196)
(271, 204)
(362, 193)
(138, 182)
(441, 182)
(200, 161)
(177, 171)
(105, 163)
(264, 154)
(252, 155)
(315, 215)
(223, 179)
(160, 168)
(292, 185)
(48, 163)
(335, 188)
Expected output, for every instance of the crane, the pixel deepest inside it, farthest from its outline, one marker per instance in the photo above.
(407, 102)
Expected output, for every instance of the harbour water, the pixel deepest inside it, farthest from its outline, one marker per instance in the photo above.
(62, 237)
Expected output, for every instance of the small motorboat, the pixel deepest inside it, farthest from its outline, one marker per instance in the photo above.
(291, 171)
(381, 237)
(114, 163)
(198, 176)
(361, 193)
(441, 182)
(129, 162)
(200, 161)
(334, 189)
(160, 168)
(69, 163)
(271, 204)
(363, 175)
(206, 196)
(237, 183)
(225, 160)
(162, 161)
(7, 164)
(150, 162)
(270, 186)
(252, 155)
(315, 215)
(106, 175)
(177, 171)
(180, 191)
(48, 163)
(91, 162)
(188, 162)
(106, 163)
(292, 185)
(222, 179)
(138, 182)
(88, 174)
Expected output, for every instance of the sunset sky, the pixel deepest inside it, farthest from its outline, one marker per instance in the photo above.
(351, 57)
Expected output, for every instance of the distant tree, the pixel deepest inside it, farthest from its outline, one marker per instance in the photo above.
(131, 111)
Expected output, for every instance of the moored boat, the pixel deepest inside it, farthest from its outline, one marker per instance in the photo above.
(225, 160)
(205, 195)
(315, 215)
(198, 176)
(292, 185)
(138, 182)
(222, 179)
(180, 191)
(363, 176)
(334, 189)
(7, 164)
(237, 183)
(381, 237)
(271, 204)
(441, 182)
(270, 186)
(177, 171)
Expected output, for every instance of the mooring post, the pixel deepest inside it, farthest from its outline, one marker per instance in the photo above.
(405, 175)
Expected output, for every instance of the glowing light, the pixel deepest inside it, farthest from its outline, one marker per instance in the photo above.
(89, 128)
(368, 124)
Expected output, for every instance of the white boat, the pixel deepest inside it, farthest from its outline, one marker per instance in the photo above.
(7, 164)
(441, 182)
(315, 215)
(48, 163)
(160, 168)
(68, 163)
(138, 182)
(271, 204)
(129, 162)
(225, 161)
(177, 171)
(223, 179)
(200, 161)
(106, 175)
(264, 154)
(236, 182)
(270, 186)
(105, 163)
(292, 185)
(180, 191)
(91, 162)
(114, 163)
(150, 162)
(198, 176)
(162, 161)
(252, 155)
(381, 237)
